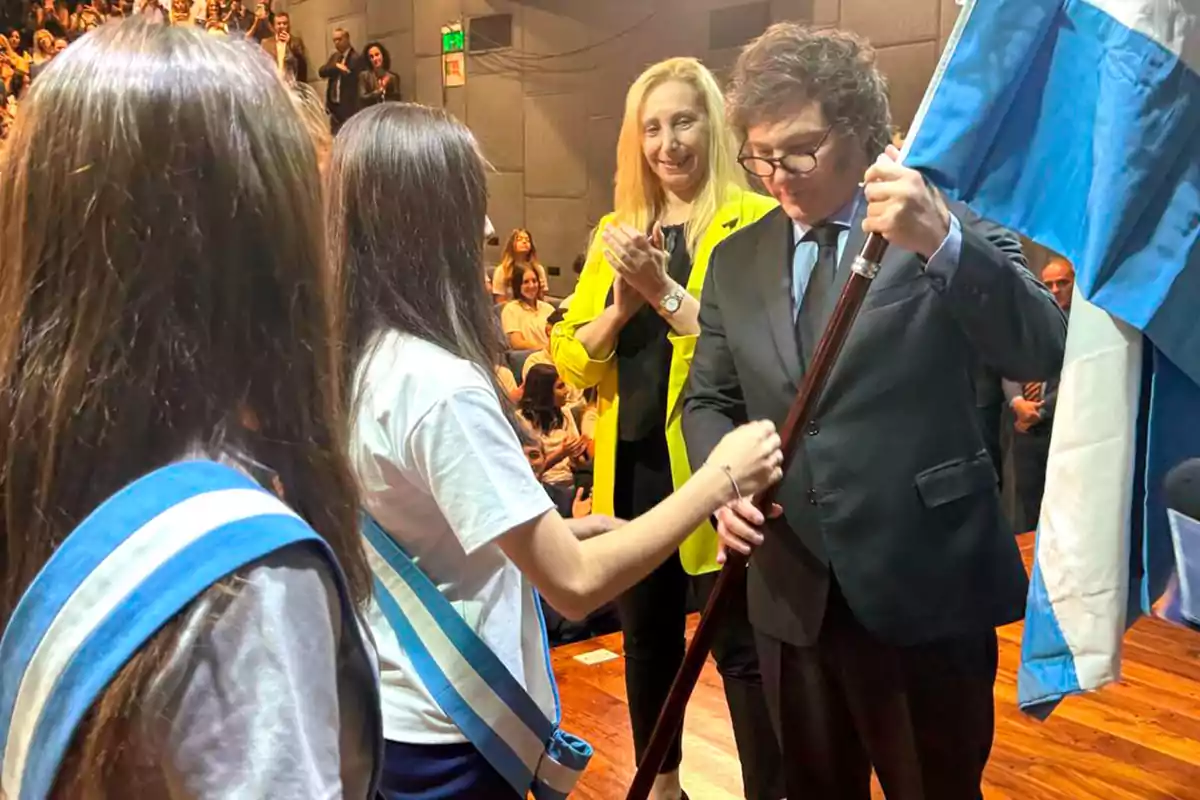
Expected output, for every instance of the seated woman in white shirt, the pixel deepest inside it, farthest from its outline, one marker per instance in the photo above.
(438, 458)
(524, 319)
(543, 410)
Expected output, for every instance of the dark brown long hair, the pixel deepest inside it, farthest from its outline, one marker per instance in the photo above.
(517, 278)
(407, 199)
(538, 405)
(163, 277)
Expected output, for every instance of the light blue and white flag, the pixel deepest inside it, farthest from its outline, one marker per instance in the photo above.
(1077, 123)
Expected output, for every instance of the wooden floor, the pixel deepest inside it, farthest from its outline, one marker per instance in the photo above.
(1139, 740)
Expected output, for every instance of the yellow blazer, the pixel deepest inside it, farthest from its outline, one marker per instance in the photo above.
(699, 552)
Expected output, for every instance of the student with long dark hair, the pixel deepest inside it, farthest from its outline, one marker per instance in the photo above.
(543, 410)
(460, 531)
(171, 627)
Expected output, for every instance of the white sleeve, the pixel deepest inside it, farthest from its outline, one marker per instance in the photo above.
(510, 317)
(250, 703)
(469, 457)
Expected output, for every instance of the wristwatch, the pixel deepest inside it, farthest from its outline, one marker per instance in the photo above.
(672, 301)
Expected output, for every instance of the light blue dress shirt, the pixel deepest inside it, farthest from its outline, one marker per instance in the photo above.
(940, 268)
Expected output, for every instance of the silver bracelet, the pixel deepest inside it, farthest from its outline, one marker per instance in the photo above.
(729, 474)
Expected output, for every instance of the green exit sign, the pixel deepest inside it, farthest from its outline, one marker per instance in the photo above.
(452, 41)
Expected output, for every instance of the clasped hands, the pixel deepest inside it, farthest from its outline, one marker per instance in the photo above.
(1028, 413)
(640, 263)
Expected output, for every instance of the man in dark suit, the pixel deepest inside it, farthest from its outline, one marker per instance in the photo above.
(341, 75)
(875, 597)
(1032, 404)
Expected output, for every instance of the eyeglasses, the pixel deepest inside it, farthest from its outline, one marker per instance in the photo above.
(791, 163)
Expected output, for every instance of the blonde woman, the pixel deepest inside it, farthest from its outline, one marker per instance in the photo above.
(630, 332)
(519, 249)
(43, 49)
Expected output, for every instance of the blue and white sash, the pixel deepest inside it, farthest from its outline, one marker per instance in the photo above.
(136, 561)
(468, 681)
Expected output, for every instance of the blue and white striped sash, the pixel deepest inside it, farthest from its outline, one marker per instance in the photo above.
(135, 562)
(468, 681)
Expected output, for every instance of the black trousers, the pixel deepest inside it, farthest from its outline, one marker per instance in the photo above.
(923, 715)
(653, 617)
(339, 115)
(1030, 452)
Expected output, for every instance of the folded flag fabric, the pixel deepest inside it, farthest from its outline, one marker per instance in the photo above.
(1077, 123)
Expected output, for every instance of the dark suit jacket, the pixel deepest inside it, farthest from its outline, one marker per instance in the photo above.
(989, 410)
(892, 488)
(347, 82)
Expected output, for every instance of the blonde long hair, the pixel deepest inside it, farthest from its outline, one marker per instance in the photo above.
(639, 196)
(508, 259)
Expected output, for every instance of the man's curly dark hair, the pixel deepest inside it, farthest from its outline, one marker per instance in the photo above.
(791, 64)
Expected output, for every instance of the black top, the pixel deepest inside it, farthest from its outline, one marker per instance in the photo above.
(644, 354)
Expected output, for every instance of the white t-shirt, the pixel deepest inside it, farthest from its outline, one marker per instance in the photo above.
(516, 318)
(563, 471)
(443, 472)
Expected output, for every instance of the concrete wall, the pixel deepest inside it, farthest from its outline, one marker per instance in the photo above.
(547, 111)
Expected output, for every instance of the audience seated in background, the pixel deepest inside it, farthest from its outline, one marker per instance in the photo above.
(574, 396)
(524, 319)
(508, 382)
(551, 426)
(520, 249)
(51, 25)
